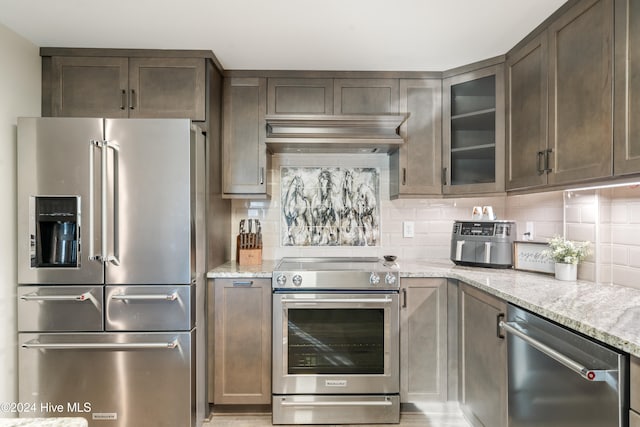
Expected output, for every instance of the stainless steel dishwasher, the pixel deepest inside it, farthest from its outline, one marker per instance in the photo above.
(558, 378)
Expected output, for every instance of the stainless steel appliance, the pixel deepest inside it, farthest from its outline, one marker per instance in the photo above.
(483, 243)
(558, 378)
(111, 270)
(335, 341)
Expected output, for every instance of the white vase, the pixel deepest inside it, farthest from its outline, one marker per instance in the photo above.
(566, 271)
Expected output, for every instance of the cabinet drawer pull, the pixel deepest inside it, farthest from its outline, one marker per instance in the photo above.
(444, 176)
(404, 176)
(123, 99)
(261, 176)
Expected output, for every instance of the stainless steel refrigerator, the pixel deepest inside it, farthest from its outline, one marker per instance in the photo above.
(111, 242)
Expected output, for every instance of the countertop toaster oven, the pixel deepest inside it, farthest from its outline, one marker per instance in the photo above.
(483, 243)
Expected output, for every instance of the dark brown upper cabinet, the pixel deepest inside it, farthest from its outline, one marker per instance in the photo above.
(415, 167)
(365, 96)
(526, 122)
(300, 96)
(581, 93)
(94, 86)
(560, 101)
(473, 112)
(627, 88)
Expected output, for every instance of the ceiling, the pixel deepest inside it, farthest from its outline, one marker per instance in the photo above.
(392, 35)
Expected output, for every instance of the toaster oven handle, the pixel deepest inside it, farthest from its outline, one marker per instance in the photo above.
(459, 245)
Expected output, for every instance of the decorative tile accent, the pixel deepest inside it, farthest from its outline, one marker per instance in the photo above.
(330, 206)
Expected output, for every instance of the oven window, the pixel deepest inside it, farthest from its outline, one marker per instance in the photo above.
(336, 341)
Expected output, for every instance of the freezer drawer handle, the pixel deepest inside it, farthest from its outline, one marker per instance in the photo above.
(385, 300)
(586, 373)
(353, 403)
(150, 297)
(35, 297)
(101, 346)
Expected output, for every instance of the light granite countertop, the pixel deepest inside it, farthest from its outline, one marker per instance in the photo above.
(608, 313)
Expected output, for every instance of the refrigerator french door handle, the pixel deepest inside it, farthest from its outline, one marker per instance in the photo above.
(93, 144)
(115, 257)
(35, 344)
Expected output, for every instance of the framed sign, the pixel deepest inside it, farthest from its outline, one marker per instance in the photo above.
(530, 256)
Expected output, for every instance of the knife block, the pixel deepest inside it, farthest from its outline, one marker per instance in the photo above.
(248, 256)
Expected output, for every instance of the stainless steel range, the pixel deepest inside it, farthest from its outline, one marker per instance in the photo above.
(336, 341)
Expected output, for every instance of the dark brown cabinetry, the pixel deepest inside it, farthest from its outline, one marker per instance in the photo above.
(300, 96)
(242, 341)
(473, 131)
(365, 96)
(580, 93)
(627, 87)
(560, 100)
(136, 87)
(483, 358)
(526, 122)
(243, 137)
(423, 340)
(415, 167)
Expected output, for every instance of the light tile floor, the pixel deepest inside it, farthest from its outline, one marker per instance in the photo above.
(433, 415)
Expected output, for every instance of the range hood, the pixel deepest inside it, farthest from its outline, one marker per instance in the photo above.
(311, 133)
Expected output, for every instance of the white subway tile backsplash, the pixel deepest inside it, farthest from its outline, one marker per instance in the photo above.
(619, 255)
(634, 257)
(625, 276)
(581, 232)
(610, 218)
(634, 213)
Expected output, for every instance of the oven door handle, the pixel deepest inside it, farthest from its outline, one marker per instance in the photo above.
(353, 403)
(586, 373)
(386, 300)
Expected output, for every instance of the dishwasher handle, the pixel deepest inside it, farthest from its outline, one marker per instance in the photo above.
(586, 373)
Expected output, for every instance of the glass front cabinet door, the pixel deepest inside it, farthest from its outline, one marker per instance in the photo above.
(473, 132)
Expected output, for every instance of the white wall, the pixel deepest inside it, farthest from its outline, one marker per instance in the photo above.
(20, 92)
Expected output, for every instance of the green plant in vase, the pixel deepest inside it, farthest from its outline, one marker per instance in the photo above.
(567, 254)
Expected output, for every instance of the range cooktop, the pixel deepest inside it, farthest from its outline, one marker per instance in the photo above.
(336, 273)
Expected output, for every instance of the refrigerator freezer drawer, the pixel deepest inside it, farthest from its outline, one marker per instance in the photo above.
(114, 379)
(60, 308)
(150, 308)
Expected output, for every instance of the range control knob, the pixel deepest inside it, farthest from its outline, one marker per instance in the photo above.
(390, 279)
(281, 280)
(297, 280)
(374, 279)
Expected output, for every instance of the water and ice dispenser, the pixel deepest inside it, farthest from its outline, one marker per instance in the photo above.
(55, 242)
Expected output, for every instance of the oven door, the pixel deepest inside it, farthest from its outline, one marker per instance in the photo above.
(335, 343)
